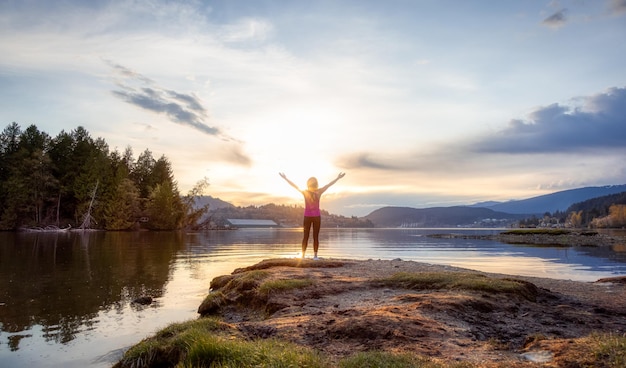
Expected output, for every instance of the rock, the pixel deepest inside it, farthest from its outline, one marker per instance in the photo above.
(348, 309)
(616, 280)
(541, 356)
(143, 300)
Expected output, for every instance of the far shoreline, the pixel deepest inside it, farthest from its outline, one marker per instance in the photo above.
(545, 237)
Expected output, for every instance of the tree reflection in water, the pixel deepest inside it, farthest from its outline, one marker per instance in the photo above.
(61, 281)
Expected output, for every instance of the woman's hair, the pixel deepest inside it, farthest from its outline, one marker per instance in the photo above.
(312, 183)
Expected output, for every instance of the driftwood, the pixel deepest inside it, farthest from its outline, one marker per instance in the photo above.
(88, 218)
(47, 229)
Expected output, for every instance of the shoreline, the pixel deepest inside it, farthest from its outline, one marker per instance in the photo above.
(342, 307)
(547, 237)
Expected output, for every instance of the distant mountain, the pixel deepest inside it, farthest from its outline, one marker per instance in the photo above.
(440, 217)
(486, 204)
(214, 203)
(558, 201)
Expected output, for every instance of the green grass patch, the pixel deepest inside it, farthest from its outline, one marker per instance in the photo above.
(382, 359)
(239, 281)
(208, 342)
(459, 281)
(212, 303)
(609, 350)
(272, 286)
(213, 351)
(203, 325)
(537, 232)
(169, 345)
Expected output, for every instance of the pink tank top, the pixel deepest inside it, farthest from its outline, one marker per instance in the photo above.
(311, 203)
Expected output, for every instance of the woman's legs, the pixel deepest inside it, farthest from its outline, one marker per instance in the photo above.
(307, 230)
(317, 223)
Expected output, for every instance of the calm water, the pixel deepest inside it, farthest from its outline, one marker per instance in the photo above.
(65, 299)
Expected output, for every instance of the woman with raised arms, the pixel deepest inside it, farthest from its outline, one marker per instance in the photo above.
(312, 213)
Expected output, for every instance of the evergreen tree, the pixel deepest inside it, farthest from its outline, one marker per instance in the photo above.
(122, 210)
(9, 145)
(165, 208)
(61, 153)
(141, 173)
(46, 180)
(30, 185)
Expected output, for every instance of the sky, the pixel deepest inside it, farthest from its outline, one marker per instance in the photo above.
(422, 103)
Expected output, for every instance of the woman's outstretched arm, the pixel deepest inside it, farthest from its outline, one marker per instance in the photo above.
(282, 175)
(341, 175)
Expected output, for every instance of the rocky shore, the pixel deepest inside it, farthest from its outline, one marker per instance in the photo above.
(440, 315)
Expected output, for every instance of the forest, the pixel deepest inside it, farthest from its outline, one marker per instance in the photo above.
(75, 180)
(602, 212)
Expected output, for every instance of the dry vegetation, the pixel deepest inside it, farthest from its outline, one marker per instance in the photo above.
(344, 313)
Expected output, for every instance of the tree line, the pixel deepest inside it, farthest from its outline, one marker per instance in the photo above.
(602, 212)
(284, 215)
(74, 179)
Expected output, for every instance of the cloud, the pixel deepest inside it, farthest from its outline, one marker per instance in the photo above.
(235, 154)
(180, 108)
(364, 160)
(556, 20)
(596, 125)
(591, 127)
(245, 30)
(617, 7)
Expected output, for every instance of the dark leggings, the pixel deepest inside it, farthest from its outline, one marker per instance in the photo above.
(317, 223)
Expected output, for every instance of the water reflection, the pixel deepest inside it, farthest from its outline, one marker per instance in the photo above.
(61, 281)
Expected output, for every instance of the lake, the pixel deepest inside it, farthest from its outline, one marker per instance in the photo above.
(66, 298)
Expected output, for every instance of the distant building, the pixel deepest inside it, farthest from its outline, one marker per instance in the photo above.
(251, 223)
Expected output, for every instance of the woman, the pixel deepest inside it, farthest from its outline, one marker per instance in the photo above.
(312, 214)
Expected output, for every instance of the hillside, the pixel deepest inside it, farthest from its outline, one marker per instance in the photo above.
(599, 206)
(214, 203)
(440, 217)
(289, 216)
(558, 201)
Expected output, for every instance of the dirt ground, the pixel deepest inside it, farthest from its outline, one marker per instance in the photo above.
(344, 311)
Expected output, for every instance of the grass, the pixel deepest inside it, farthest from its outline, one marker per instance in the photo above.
(272, 286)
(382, 359)
(459, 281)
(209, 342)
(609, 349)
(246, 285)
(169, 345)
(599, 349)
(553, 232)
(537, 232)
(213, 351)
(212, 303)
(239, 281)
